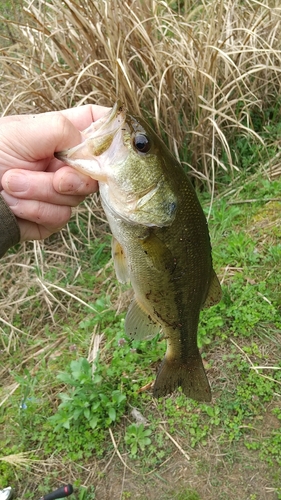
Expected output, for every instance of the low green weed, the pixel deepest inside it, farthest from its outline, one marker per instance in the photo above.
(269, 448)
(137, 437)
(6, 468)
(187, 494)
(102, 314)
(86, 493)
(243, 311)
(90, 398)
(94, 401)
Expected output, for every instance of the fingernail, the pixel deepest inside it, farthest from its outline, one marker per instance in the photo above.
(17, 183)
(70, 183)
(10, 200)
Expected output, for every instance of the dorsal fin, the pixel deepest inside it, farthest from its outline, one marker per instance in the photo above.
(214, 292)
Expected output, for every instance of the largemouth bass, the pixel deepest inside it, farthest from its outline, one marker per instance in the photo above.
(160, 243)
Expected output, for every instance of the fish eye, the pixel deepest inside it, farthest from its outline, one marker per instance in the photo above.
(142, 143)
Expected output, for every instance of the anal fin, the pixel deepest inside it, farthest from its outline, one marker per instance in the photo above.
(138, 323)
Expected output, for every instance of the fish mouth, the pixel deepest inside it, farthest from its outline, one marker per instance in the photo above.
(99, 138)
(106, 123)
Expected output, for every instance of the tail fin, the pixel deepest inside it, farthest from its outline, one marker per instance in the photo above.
(190, 376)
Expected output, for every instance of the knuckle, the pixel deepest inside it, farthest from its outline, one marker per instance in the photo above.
(62, 128)
(52, 216)
(59, 122)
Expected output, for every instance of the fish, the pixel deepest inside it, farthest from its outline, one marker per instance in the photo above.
(161, 242)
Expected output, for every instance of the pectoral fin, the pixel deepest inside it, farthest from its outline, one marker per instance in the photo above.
(120, 262)
(214, 292)
(159, 255)
(138, 324)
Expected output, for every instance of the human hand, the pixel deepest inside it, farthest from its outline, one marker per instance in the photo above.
(35, 185)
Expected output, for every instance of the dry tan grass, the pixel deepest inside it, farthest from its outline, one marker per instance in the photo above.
(198, 71)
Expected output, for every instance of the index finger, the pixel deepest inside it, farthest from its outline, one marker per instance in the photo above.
(29, 141)
(83, 116)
